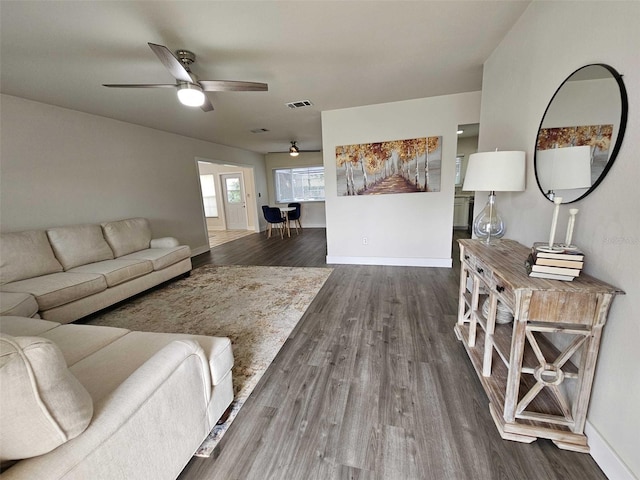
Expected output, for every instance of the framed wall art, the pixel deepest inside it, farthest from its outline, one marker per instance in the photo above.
(395, 166)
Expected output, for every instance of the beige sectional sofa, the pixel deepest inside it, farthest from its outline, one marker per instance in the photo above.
(65, 273)
(90, 402)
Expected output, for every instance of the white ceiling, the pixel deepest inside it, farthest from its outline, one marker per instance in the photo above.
(338, 54)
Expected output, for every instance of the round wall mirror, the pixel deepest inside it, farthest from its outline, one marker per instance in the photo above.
(580, 133)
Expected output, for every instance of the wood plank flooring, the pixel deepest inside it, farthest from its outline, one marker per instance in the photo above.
(308, 249)
(219, 237)
(371, 384)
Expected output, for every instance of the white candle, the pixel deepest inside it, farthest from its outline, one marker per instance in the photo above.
(554, 222)
(571, 224)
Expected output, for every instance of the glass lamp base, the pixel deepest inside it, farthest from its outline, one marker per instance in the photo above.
(489, 225)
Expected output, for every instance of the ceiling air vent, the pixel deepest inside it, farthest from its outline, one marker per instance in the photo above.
(259, 130)
(299, 104)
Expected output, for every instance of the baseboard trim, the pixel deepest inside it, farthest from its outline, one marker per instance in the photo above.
(606, 458)
(391, 261)
(314, 225)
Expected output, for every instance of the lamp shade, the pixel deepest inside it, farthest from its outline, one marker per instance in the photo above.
(500, 171)
(564, 168)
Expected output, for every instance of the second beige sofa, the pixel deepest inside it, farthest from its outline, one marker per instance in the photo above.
(65, 273)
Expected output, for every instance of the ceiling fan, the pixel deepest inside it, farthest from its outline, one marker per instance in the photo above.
(190, 89)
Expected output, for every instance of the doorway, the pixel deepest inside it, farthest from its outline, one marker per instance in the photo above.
(463, 200)
(221, 221)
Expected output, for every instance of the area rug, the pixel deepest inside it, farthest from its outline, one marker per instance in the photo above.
(256, 307)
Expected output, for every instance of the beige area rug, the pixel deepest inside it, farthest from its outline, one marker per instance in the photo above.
(256, 307)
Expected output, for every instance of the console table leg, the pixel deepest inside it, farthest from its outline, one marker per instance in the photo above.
(515, 370)
(488, 340)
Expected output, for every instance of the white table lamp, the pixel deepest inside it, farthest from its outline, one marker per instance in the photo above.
(494, 172)
(563, 168)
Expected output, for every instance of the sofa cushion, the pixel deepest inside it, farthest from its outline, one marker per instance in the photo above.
(76, 342)
(127, 236)
(19, 304)
(117, 271)
(25, 327)
(42, 405)
(59, 288)
(78, 245)
(162, 257)
(25, 255)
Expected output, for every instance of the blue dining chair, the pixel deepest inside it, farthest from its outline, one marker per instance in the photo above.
(273, 217)
(294, 216)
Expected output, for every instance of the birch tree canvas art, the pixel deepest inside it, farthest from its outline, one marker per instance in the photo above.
(396, 166)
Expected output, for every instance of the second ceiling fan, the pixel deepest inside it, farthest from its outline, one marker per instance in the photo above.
(190, 89)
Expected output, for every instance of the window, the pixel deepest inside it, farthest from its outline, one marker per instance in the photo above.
(234, 192)
(299, 184)
(208, 185)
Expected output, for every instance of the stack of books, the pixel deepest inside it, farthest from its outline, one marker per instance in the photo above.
(563, 264)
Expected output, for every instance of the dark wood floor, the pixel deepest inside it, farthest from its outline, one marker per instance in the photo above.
(371, 384)
(308, 249)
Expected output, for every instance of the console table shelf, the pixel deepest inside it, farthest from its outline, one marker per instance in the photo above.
(538, 370)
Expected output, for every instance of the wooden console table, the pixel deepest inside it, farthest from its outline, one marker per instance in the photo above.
(537, 370)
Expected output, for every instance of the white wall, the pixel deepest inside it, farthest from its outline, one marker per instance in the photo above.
(551, 40)
(595, 105)
(401, 229)
(312, 214)
(62, 167)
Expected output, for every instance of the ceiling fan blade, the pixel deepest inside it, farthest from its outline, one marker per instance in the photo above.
(206, 106)
(139, 85)
(169, 60)
(232, 86)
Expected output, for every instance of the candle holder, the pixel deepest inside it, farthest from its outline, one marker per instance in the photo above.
(552, 234)
(572, 222)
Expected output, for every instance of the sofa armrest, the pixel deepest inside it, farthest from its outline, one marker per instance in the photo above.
(163, 403)
(164, 242)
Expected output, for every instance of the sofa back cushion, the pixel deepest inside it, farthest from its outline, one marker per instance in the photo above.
(127, 236)
(78, 245)
(42, 405)
(26, 255)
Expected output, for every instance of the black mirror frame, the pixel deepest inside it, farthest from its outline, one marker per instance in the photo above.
(621, 130)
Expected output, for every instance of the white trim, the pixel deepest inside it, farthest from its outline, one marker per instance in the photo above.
(391, 261)
(202, 212)
(314, 225)
(606, 458)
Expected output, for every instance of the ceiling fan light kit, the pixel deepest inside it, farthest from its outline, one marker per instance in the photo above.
(294, 151)
(191, 95)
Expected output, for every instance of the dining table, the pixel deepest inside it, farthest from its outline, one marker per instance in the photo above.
(284, 211)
